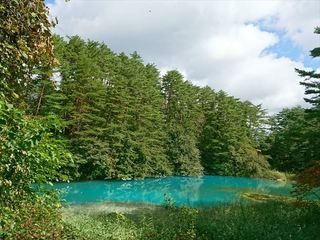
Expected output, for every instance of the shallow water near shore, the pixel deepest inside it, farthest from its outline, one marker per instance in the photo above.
(187, 191)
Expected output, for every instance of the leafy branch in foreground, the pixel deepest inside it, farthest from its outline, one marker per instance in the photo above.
(29, 155)
(25, 43)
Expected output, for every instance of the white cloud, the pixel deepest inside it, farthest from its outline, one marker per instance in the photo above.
(244, 41)
(273, 82)
(211, 42)
(299, 19)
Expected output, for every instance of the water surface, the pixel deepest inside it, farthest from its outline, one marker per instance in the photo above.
(190, 191)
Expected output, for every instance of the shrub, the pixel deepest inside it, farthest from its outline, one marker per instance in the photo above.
(28, 155)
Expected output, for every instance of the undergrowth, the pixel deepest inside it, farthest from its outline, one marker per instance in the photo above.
(269, 220)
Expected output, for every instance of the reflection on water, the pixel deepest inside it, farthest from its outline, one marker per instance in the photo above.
(191, 191)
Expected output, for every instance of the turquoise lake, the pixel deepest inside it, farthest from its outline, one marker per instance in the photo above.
(190, 191)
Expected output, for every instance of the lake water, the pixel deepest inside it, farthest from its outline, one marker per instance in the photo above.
(190, 191)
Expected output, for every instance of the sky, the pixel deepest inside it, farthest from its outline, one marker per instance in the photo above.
(247, 48)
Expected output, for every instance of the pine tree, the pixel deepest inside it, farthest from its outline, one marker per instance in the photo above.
(79, 100)
(290, 149)
(135, 119)
(312, 82)
(181, 110)
(312, 89)
(226, 145)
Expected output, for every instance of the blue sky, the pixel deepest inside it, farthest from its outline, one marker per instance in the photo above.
(286, 47)
(247, 48)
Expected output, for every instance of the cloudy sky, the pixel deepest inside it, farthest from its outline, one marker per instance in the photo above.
(246, 48)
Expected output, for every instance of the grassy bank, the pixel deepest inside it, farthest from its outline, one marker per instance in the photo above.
(277, 176)
(268, 220)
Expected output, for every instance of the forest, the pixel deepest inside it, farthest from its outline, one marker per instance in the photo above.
(74, 110)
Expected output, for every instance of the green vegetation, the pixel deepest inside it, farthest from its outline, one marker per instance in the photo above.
(271, 220)
(123, 120)
(30, 152)
(25, 44)
(80, 111)
(295, 141)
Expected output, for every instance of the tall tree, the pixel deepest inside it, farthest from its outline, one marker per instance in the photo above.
(312, 90)
(312, 81)
(135, 121)
(79, 100)
(181, 111)
(295, 141)
(309, 178)
(290, 148)
(227, 147)
(112, 108)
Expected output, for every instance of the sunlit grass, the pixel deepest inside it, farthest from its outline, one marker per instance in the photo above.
(261, 220)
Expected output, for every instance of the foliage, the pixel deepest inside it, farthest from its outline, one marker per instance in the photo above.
(32, 217)
(312, 90)
(120, 119)
(309, 179)
(290, 148)
(112, 226)
(123, 121)
(111, 106)
(294, 139)
(26, 144)
(29, 152)
(180, 109)
(78, 101)
(270, 220)
(25, 42)
(135, 126)
(28, 155)
(311, 82)
(228, 143)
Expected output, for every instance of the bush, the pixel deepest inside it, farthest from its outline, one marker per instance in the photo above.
(28, 155)
(34, 217)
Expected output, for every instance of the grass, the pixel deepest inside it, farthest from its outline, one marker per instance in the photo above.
(277, 176)
(276, 220)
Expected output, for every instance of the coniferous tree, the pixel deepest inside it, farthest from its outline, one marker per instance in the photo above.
(290, 149)
(180, 108)
(136, 123)
(79, 100)
(309, 179)
(226, 145)
(123, 121)
(294, 139)
(312, 81)
(312, 90)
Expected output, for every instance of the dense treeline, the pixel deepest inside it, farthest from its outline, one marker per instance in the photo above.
(80, 111)
(294, 140)
(123, 120)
